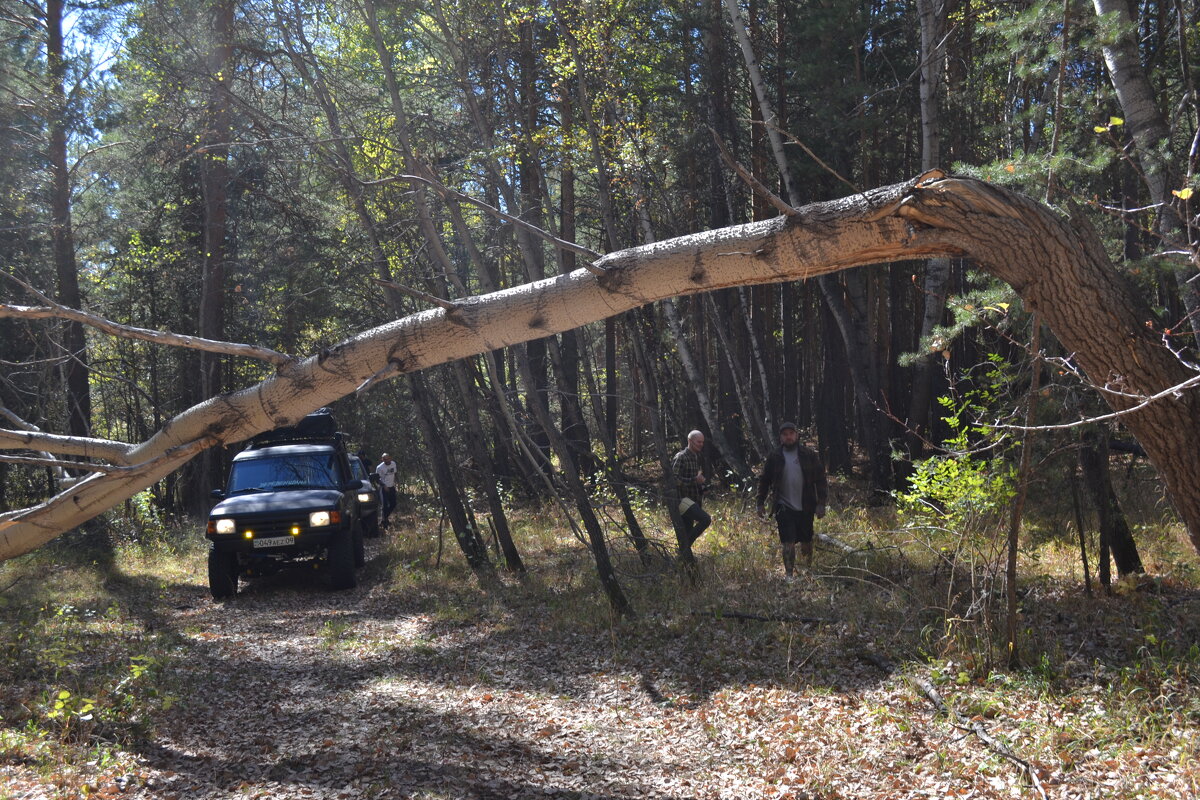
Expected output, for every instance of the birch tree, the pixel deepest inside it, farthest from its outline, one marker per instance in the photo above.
(1057, 265)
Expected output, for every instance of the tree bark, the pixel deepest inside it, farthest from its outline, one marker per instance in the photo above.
(1151, 136)
(700, 390)
(842, 301)
(1114, 529)
(75, 366)
(937, 270)
(1058, 266)
(214, 186)
(469, 540)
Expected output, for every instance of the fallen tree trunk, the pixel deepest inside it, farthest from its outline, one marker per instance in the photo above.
(1058, 267)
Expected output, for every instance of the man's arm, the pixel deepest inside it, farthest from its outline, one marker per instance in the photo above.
(764, 483)
(820, 483)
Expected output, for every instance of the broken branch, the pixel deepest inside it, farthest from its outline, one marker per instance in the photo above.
(53, 310)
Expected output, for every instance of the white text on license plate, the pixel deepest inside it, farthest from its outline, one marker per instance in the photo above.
(274, 541)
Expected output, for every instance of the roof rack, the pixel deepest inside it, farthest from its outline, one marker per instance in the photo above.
(319, 426)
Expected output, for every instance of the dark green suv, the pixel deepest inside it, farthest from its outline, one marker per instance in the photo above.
(292, 500)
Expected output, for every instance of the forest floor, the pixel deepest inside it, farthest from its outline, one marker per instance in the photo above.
(421, 683)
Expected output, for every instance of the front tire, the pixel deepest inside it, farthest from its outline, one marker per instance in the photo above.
(340, 560)
(222, 574)
(360, 550)
(371, 526)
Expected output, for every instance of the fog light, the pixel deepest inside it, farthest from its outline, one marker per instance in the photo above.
(295, 530)
(249, 534)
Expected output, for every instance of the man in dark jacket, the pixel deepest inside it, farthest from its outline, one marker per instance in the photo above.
(795, 478)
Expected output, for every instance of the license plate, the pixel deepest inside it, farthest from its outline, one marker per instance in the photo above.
(274, 541)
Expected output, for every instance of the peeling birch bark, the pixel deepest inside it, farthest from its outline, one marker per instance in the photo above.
(1058, 266)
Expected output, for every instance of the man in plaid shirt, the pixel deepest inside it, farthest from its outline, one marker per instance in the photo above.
(689, 481)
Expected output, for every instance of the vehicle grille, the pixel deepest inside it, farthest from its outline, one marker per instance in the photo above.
(271, 527)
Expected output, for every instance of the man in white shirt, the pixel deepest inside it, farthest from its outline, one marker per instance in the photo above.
(387, 482)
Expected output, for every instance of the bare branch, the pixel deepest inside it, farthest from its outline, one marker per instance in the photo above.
(59, 464)
(107, 449)
(93, 152)
(1171, 391)
(53, 310)
(750, 180)
(24, 529)
(816, 158)
(417, 294)
(446, 192)
(390, 371)
(29, 427)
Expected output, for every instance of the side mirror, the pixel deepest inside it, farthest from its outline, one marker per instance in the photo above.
(217, 494)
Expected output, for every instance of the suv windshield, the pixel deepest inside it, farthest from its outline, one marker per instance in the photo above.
(311, 471)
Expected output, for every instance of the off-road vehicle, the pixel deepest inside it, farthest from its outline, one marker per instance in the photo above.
(292, 500)
(368, 498)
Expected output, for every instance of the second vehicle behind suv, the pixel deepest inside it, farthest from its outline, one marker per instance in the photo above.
(292, 499)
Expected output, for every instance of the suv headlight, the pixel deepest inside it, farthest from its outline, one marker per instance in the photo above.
(226, 526)
(364, 497)
(319, 519)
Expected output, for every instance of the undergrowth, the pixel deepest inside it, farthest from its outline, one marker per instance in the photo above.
(86, 654)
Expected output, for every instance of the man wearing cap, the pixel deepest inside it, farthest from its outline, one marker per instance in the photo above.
(795, 478)
(387, 481)
(689, 481)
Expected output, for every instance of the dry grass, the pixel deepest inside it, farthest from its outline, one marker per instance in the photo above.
(1106, 702)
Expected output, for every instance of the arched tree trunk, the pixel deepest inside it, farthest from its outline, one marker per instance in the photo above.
(1058, 266)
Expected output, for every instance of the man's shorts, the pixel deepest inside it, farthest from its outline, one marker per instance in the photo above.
(794, 526)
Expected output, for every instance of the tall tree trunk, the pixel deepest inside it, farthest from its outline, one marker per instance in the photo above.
(215, 179)
(756, 356)
(1114, 529)
(591, 524)
(1152, 137)
(937, 270)
(608, 218)
(696, 380)
(1018, 506)
(831, 402)
(75, 366)
(612, 464)
(760, 438)
(650, 398)
(575, 428)
(841, 301)
(483, 459)
(465, 532)
(469, 540)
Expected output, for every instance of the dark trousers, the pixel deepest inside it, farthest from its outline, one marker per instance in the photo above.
(695, 521)
(389, 502)
(794, 526)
